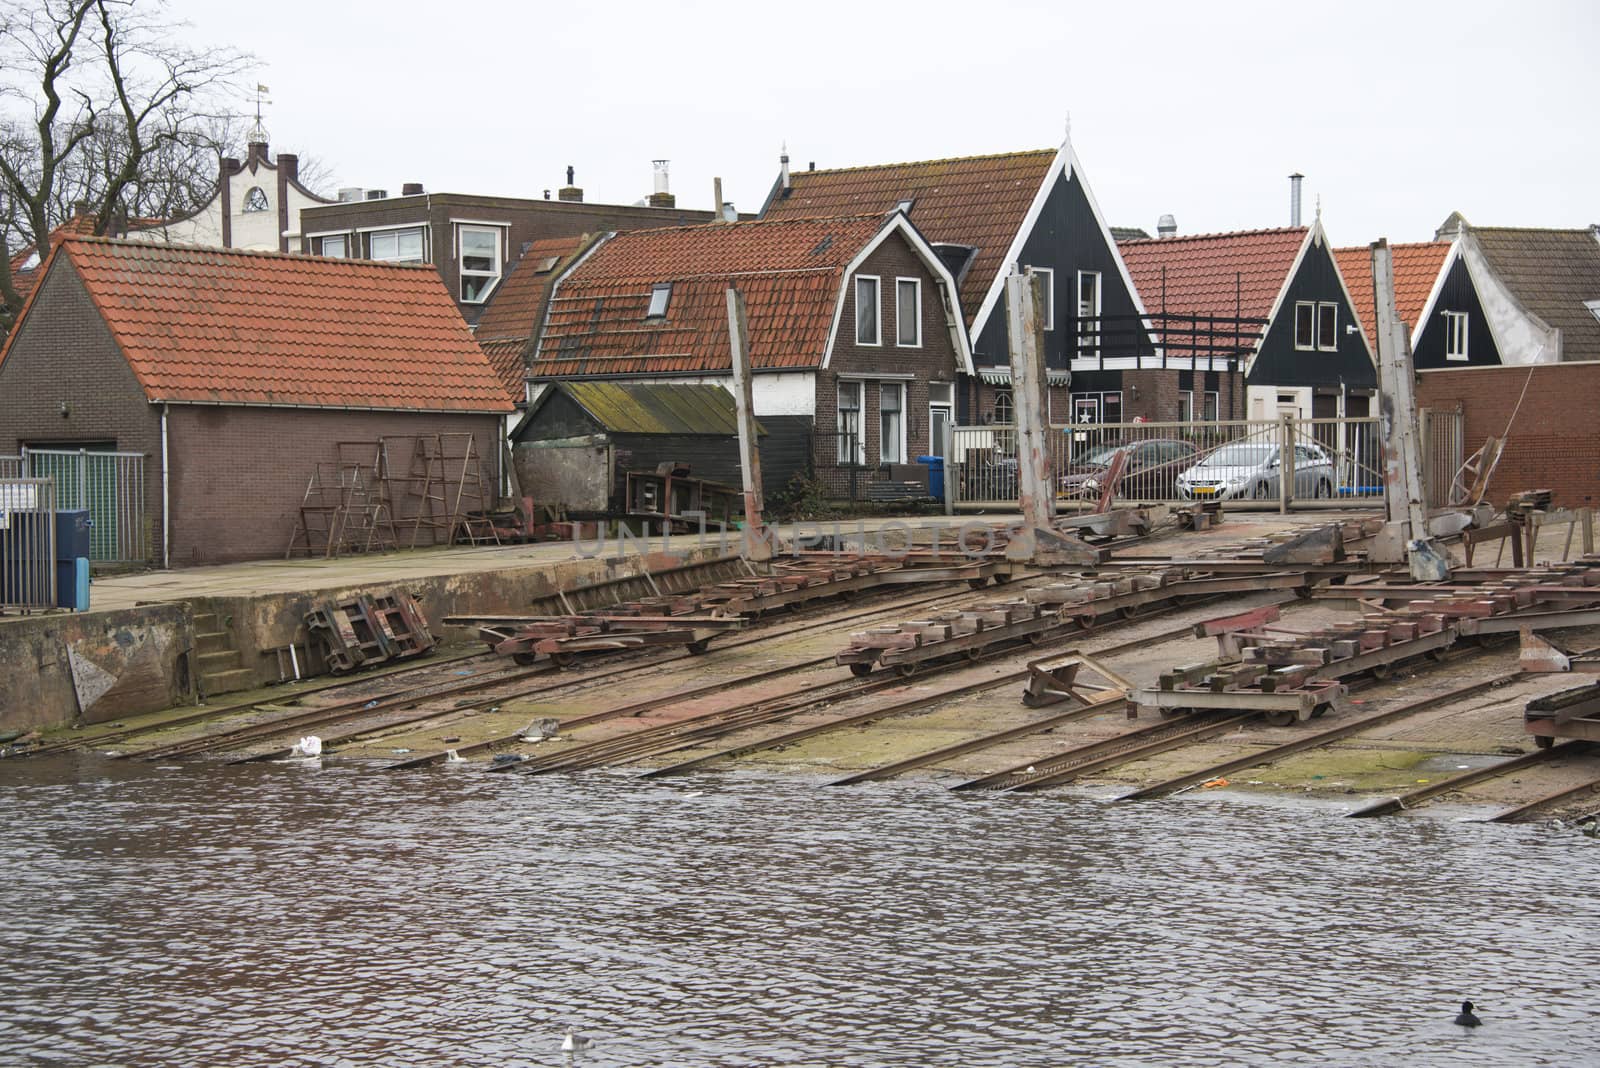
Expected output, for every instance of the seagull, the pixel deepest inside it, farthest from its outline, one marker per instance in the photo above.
(309, 746)
(575, 1042)
(1466, 1017)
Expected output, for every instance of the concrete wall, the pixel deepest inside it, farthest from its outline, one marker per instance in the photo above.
(129, 661)
(1553, 442)
(576, 474)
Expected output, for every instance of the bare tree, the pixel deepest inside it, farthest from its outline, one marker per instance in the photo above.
(102, 104)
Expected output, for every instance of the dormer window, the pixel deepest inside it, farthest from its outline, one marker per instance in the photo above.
(256, 200)
(660, 297)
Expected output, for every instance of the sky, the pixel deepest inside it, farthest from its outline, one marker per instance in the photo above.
(1397, 113)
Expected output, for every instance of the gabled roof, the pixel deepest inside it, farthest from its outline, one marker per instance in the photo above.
(1229, 275)
(26, 261)
(1553, 273)
(1416, 272)
(652, 408)
(225, 326)
(980, 201)
(517, 306)
(791, 273)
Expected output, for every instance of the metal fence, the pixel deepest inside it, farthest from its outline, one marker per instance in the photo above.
(110, 485)
(1332, 461)
(27, 543)
(1443, 452)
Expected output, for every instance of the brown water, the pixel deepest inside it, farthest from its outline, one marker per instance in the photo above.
(291, 915)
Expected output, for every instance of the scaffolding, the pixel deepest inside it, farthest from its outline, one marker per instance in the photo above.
(344, 510)
(441, 496)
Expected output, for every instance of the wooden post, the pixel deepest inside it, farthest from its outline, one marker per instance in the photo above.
(756, 543)
(1024, 298)
(1285, 461)
(1586, 524)
(949, 448)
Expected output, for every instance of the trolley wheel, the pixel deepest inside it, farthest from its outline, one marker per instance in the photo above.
(977, 583)
(1543, 741)
(974, 654)
(1382, 672)
(1001, 578)
(1035, 637)
(564, 660)
(1320, 711)
(861, 669)
(1436, 655)
(1131, 611)
(525, 659)
(906, 670)
(698, 646)
(1173, 713)
(1280, 717)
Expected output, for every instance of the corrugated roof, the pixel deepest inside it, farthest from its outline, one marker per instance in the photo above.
(234, 327)
(1227, 275)
(1553, 272)
(972, 200)
(1416, 268)
(657, 408)
(789, 271)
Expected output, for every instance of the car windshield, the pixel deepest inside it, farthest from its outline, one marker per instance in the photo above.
(1239, 456)
(1102, 457)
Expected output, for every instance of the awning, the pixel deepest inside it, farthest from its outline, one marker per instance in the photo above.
(1001, 376)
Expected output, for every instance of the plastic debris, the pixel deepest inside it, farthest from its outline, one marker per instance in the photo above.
(507, 758)
(1212, 784)
(307, 747)
(453, 757)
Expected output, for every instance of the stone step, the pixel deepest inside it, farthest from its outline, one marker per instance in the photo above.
(212, 663)
(213, 641)
(205, 621)
(213, 683)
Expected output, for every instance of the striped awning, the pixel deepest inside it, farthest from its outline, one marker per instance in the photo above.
(1001, 376)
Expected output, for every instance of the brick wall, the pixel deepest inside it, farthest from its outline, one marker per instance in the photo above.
(934, 360)
(64, 353)
(239, 474)
(1554, 442)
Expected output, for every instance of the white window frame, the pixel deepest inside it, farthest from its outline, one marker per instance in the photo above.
(396, 231)
(1005, 405)
(497, 259)
(344, 242)
(941, 399)
(856, 456)
(1092, 347)
(1211, 399)
(660, 300)
(1186, 406)
(1309, 309)
(1049, 276)
(1456, 325)
(899, 389)
(916, 313)
(1331, 310)
(1594, 307)
(877, 310)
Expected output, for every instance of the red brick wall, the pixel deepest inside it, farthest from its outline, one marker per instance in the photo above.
(239, 474)
(936, 359)
(1554, 441)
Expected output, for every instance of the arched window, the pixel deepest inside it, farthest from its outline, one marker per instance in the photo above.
(1002, 408)
(255, 200)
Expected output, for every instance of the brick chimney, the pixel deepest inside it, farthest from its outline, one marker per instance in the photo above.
(411, 189)
(570, 192)
(289, 165)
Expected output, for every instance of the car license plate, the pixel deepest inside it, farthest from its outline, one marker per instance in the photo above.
(1204, 491)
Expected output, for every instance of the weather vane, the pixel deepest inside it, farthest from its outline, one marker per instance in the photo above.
(258, 132)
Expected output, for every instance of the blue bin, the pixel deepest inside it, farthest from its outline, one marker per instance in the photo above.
(73, 527)
(935, 465)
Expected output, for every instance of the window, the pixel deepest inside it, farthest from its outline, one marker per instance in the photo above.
(480, 262)
(1049, 276)
(941, 414)
(1305, 325)
(1328, 327)
(660, 296)
(337, 247)
(1455, 335)
(1209, 409)
(1185, 406)
(396, 246)
(1089, 312)
(256, 200)
(852, 450)
(1003, 410)
(891, 423)
(868, 316)
(1594, 307)
(908, 312)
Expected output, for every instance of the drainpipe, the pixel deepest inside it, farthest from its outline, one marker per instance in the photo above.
(166, 496)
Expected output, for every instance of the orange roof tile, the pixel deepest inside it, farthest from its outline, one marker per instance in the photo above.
(517, 303)
(1416, 267)
(789, 271)
(234, 327)
(973, 200)
(1228, 275)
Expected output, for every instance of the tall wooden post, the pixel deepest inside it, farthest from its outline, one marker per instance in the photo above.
(756, 546)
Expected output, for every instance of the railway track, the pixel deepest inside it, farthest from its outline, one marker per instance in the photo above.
(1587, 791)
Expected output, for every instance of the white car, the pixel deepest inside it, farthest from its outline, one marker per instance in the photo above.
(1249, 470)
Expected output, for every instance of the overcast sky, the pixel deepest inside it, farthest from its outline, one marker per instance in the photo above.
(1396, 112)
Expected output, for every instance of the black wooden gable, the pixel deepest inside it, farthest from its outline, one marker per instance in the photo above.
(1279, 362)
(1457, 294)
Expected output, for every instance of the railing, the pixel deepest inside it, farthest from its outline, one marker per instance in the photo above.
(1443, 446)
(1163, 339)
(27, 543)
(110, 485)
(1275, 462)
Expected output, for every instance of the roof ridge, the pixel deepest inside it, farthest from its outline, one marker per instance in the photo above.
(721, 227)
(925, 162)
(1397, 244)
(1584, 231)
(285, 257)
(1214, 235)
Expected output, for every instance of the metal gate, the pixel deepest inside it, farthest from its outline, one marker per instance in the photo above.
(110, 485)
(27, 543)
(1443, 447)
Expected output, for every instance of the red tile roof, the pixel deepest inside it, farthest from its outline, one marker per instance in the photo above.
(1416, 267)
(790, 273)
(25, 279)
(973, 200)
(235, 327)
(516, 308)
(1231, 275)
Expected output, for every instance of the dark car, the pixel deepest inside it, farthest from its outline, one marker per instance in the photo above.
(1150, 473)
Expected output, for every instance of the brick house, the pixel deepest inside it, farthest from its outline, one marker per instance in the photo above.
(856, 342)
(983, 214)
(471, 239)
(1296, 345)
(235, 373)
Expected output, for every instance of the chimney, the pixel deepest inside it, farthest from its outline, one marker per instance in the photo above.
(1166, 226)
(1294, 197)
(716, 197)
(80, 207)
(662, 196)
(783, 169)
(289, 165)
(410, 189)
(811, 166)
(350, 194)
(570, 192)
